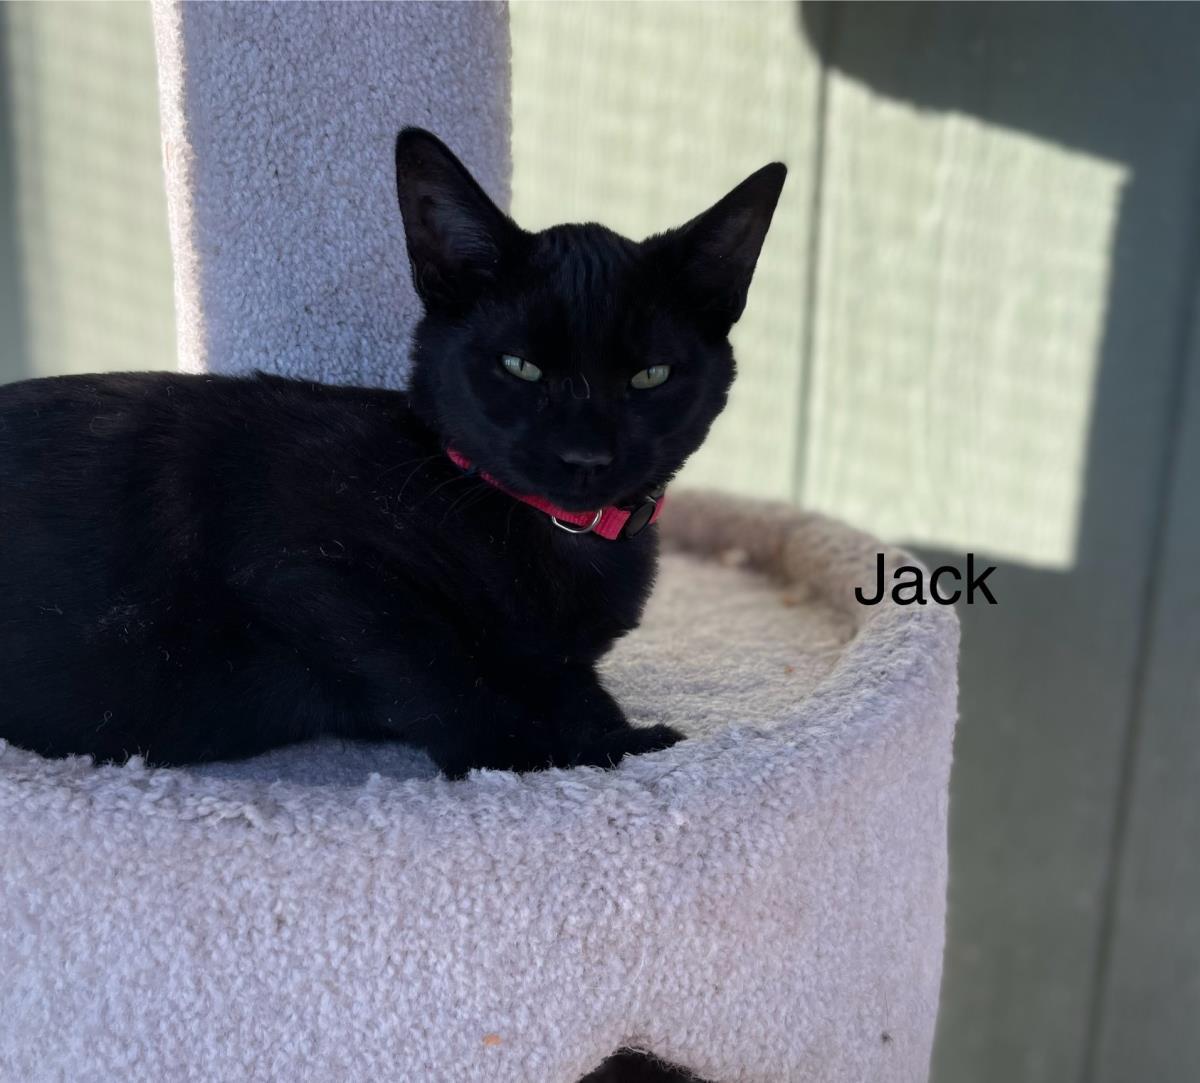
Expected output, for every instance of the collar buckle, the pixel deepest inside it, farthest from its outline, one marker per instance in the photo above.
(639, 517)
(572, 529)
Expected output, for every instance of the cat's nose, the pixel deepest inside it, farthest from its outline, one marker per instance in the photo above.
(590, 458)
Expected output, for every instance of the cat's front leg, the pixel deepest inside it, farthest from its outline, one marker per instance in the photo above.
(518, 716)
(589, 726)
(467, 725)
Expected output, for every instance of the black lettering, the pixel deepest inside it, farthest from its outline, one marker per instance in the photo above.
(933, 584)
(917, 583)
(976, 582)
(858, 591)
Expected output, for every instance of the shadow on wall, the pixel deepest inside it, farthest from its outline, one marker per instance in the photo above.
(1051, 677)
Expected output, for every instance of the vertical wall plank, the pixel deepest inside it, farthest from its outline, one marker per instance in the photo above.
(12, 316)
(1147, 1026)
(962, 284)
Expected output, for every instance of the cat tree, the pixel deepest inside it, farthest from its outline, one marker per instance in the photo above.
(762, 902)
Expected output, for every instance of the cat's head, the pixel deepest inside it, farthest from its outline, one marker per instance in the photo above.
(573, 363)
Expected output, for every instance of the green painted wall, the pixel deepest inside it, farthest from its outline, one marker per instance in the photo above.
(87, 232)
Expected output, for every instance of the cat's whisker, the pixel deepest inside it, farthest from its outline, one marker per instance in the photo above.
(415, 471)
(450, 481)
(402, 463)
(569, 384)
(478, 494)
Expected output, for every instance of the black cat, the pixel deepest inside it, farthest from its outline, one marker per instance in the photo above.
(199, 567)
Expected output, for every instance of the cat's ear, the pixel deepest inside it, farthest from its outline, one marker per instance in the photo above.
(710, 260)
(456, 235)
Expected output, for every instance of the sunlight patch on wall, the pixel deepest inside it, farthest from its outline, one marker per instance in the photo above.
(93, 249)
(642, 115)
(962, 288)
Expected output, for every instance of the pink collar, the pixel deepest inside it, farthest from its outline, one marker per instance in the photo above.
(610, 522)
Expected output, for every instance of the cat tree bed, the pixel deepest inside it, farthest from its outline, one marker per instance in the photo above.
(763, 901)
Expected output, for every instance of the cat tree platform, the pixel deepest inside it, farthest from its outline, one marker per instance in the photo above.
(762, 902)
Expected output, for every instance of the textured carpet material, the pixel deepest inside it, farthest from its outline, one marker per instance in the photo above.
(279, 122)
(762, 902)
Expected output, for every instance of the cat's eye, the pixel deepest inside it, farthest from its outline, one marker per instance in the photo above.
(520, 368)
(654, 376)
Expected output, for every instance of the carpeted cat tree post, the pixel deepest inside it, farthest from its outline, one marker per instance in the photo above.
(762, 902)
(279, 126)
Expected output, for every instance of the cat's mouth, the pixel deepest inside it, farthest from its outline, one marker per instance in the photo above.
(592, 498)
(571, 488)
(579, 490)
(584, 498)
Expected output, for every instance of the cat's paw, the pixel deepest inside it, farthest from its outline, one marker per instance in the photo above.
(610, 748)
(602, 750)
